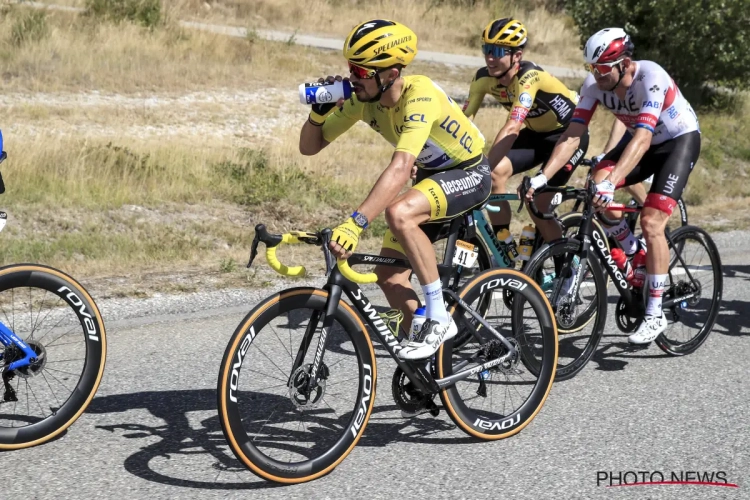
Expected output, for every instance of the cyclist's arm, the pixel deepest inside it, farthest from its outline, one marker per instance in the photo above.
(564, 149)
(476, 96)
(313, 138)
(618, 130)
(504, 141)
(419, 116)
(632, 155)
(389, 185)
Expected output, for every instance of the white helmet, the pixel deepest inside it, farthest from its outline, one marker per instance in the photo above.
(607, 46)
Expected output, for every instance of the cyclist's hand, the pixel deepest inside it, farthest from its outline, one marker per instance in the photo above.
(538, 181)
(320, 111)
(345, 238)
(605, 193)
(596, 159)
(414, 172)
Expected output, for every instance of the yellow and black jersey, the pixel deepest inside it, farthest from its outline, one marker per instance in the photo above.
(536, 98)
(424, 122)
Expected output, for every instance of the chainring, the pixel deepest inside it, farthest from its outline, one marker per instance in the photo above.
(625, 322)
(405, 395)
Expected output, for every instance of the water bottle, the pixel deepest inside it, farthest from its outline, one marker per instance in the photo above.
(639, 269)
(526, 243)
(622, 262)
(509, 244)
(324, 93)
(417, 322)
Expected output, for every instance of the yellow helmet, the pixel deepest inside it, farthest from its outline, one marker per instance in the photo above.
(507, 32)
(380, 44)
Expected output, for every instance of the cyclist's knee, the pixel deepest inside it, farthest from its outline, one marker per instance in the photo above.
(502, 172)
(402, 214)
(653, 223)
(602, 170)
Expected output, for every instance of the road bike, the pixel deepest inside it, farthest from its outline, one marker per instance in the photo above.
(297, 382)
(52, 351)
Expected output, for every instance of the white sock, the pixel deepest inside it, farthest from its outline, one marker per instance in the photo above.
(625, 236)
(656, 283)
(434, 305)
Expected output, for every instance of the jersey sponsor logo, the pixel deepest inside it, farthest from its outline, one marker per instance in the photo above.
(525, 100)
(418, 99)
(416, 117)
(536, 111)
(614, 104)
(672, 112)
(651, 104)
(655, 88)
(560, 106)
(467, 183)
(519, 114)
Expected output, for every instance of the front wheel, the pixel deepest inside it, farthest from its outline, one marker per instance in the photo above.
(500, 401)
(54, 315)
(274, 424)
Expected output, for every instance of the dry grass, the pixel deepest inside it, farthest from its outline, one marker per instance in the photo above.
(137, 153)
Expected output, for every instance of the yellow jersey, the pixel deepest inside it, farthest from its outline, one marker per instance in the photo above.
(425, 122)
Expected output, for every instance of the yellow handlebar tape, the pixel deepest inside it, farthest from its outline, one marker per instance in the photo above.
(348, 273)
(278, 266)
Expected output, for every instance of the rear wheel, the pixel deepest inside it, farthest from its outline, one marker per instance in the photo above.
(502, 400)
(694, 287)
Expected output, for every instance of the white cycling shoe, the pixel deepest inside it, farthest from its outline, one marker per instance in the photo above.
(651, 328)
(428, 340)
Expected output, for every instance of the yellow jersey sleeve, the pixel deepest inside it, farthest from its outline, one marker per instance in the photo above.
(477, 91)
(421, 111)
(342, 119)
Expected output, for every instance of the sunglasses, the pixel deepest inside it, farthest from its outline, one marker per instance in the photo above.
(360, 72)
(602, 68)
(495, 50)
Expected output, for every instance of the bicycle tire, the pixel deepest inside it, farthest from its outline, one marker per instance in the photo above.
(596, 312)
(74, 295)
(680, 237)
(569, 221)
(247, 333)
(471, 422)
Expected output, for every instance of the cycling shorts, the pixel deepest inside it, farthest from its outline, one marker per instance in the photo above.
(670, 163)
(451, 193)
(535, 148)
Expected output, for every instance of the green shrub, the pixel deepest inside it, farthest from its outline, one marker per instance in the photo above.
(144, 12)
(701, 42)
(30, 26)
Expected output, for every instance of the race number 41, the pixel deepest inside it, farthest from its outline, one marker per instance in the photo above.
(466, 254)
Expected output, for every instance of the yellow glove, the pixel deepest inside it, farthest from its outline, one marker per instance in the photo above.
(347, 235)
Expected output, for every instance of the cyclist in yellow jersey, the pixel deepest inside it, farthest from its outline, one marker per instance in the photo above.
(534, 98)
(428, 130)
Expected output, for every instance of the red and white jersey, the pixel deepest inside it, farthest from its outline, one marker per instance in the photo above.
(653, 101)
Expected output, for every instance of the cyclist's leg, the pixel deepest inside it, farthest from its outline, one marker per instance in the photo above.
(443, 196)
(394, 281)
(519, 159)
(550, 229)
(673, 162)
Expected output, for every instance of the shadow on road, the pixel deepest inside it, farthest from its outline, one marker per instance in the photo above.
(180, 438)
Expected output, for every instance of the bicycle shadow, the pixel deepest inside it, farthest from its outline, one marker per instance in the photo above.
(182, 437)
(734, 316)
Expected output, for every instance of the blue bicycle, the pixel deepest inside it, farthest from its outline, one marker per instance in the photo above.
(52, 351)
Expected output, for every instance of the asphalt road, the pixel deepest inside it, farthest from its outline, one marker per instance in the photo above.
(153, 432)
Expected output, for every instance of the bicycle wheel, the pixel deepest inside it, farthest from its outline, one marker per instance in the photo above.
(698, 277)
(55, 316)
(276, 429)
(501, 401)
(570, 223)
(580, 321)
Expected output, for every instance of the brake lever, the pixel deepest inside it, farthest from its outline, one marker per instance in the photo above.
(525, 186)
(254, 249)
(325, 236)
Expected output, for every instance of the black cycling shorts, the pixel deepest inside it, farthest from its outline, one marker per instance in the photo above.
(670, 163)
(451, 193)
(535, 148)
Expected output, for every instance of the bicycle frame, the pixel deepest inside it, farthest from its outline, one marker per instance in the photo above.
(418, 372)
(8, 338)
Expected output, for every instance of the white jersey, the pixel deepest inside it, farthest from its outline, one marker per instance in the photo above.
(653, 101)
